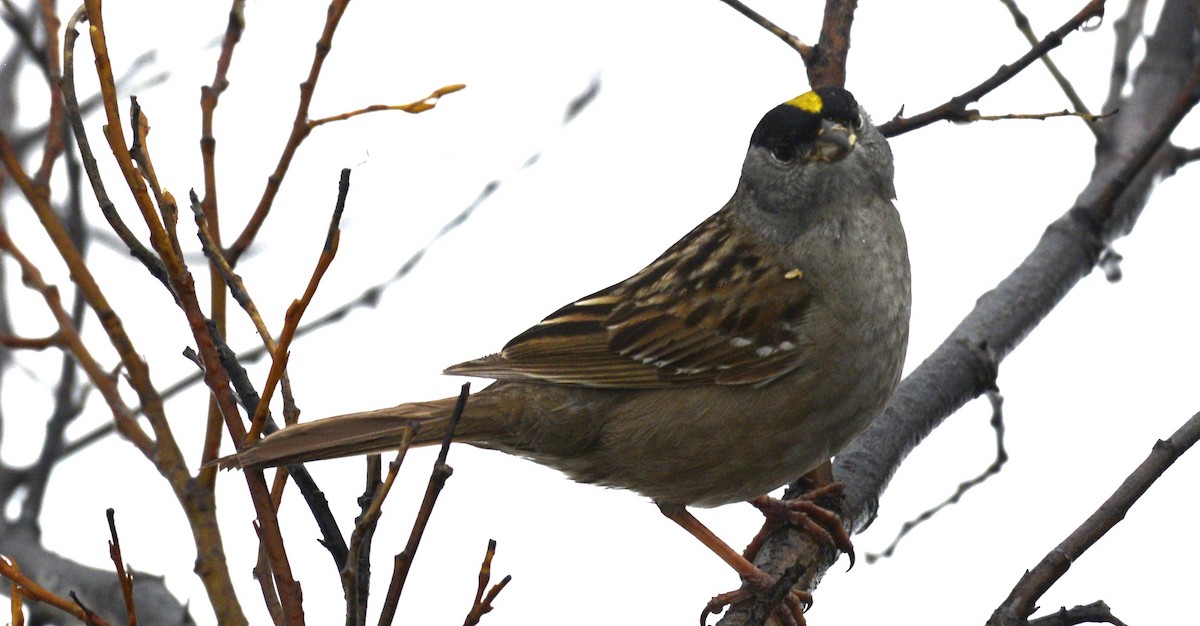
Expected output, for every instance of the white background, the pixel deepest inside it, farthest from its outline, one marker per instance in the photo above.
(683, 84)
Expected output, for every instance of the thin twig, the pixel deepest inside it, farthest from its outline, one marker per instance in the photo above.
(209, 97)
(437, 479)
(183, 286)
(10, 570)
(36, 344)
(300, 130)
(75, 116)
(997, 424)
(123, 575)
(483, 603)
(1094, 613)
(791, 40)
(296, 309)
(126, 424)
(975, 116)
(1023, 25)
(956, 108)
(1022, 602)
(371, 295)
(353, 578)
(418, 106)
(54, 126)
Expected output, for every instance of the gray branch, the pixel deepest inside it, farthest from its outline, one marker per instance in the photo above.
(1131, 156)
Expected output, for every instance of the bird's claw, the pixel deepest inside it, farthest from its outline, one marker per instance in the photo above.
(805, 513)
(795, 603)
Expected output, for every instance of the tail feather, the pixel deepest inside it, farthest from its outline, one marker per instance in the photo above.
(367, 432)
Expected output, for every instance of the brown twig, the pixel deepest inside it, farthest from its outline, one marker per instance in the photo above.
(75, 116)
(123, 575)
(417, 106)
(1022, 24)
(1022, 602)
(370, 296)
(437, 479)
(10, 570)
(483, 603)
(36, 344)
(791, 40)
(126, 424)
(182, 285)
(353, 580)
(300, 130)
(975, 116)
(296, 309)
(15, 608)
(54, 127)
(209, 97)
(956, 108)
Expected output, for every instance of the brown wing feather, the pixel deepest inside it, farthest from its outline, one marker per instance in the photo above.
(709, 310)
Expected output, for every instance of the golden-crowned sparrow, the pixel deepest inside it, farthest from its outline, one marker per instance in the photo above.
(746, 355)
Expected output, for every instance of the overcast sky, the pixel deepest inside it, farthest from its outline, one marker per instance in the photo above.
(682, 85)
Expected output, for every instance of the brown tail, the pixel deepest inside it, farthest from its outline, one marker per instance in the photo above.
(354, 433)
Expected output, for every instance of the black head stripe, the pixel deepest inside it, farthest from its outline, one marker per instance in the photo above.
(795, 123)
(838, 105)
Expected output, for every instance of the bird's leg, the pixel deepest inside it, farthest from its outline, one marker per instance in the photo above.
(756, 581)
(752, 575)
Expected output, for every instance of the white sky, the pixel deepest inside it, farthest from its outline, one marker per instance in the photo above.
(684, 83)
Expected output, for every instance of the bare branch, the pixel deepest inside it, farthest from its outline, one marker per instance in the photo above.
(791, 40)
(956, 108)
(1022, 602)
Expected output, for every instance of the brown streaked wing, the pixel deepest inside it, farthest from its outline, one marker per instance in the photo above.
(709, 310)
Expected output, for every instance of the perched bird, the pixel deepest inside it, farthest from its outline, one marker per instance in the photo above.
(746, 355)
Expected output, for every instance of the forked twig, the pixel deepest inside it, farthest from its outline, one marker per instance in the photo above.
(484, 596)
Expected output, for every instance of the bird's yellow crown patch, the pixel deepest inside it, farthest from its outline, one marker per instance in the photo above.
(810, 102)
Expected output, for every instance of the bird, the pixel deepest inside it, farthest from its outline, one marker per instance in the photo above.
(746, 355)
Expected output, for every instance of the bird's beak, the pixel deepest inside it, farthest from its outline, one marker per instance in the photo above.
(834, 142)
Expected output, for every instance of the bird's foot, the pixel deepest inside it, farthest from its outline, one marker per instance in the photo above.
(804, 512)
(790, 611)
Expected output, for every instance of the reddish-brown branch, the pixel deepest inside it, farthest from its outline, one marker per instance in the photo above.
(124, 576)
(74, 114)
(483, 603)
(300, 129)
(297, 308)
(418, 106)
(32, 343)
(34, 591)
(365, 526)
(791, 40)
(827, 66)
(437, 479)
(107, 386)
(54, 137)
(183, 288)
(209, 97)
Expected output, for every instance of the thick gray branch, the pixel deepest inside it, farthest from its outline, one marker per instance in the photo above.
(1131, 157)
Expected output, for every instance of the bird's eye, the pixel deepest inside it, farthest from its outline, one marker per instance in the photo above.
(783, 154)
(859, 122)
